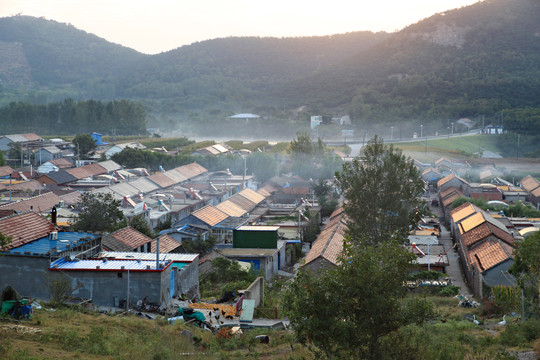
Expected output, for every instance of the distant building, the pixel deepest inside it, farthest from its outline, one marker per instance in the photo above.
(316, 120)
(244, 116)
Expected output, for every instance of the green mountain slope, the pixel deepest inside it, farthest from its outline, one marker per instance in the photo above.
(466, 62)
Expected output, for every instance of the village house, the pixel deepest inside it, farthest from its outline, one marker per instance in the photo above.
(453, 180)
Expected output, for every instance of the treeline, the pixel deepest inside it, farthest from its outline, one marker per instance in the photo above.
(120, 117)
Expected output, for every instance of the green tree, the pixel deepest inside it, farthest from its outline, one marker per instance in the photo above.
(5, 240)
(526, 268)
(98, 212)
(262, 165)
(2, 159)
(84, 143)
(199, 246)
(139, 223)
(346, 311)
(383, 194)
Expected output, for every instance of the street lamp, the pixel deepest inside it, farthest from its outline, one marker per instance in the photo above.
(421, 127)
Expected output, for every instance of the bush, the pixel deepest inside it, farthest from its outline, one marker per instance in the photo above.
(450, 290)
(521, 334)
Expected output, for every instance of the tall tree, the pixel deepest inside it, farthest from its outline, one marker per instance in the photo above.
(526, 268)
(84, 144)
(383, 193)
(98, 212)
(346, 311)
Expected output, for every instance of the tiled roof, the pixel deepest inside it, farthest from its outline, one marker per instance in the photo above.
(50, 149)
(87, 171)
(475, 235)
(5, 171)
(210, 215)
(428, 170)
(175, 176)
(162, 180)
(32, 185)
(123, 239)
(109, 165)
(536, 192)
(264, 192)
(448, 191)
(25, 227)
(462, 211)
(445, 179)
(529, 183)
(231, 209)
(242, 202)
(191, 170)
(441, 160)
(488, 255)
(450, 199)
(471, 222)
(61, 177)
(71, 198)
(144, 185)
(252, 195)
(32, 137)
(269, 188)
(124, 189)
(38, 203)
(166, 244)
(62, 163)
(329, 244)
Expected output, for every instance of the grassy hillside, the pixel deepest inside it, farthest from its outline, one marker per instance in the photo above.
(69, 333)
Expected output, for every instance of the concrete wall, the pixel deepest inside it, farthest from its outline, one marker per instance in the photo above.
(187, 280)
(28, 275)
(255, 291)
(106, 288)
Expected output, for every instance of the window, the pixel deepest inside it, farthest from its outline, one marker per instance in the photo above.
(119, 274)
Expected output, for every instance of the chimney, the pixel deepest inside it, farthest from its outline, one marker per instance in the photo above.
(53, 215)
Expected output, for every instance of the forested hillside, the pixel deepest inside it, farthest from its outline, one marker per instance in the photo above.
(474, 61)
(462, 63)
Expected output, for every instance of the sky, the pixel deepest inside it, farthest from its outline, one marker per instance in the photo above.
(154, 26)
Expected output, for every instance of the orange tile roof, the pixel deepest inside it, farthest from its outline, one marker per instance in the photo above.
(252, 195)
(264, 192)
(428, 170)
(462, 211)
(32, 137)
(162, 180)
(31, 185)
(210, 215)
(40, 203)
(536, 192)
(166, 244)
(471, 222)
(529, 183)
(448, 191)
(62, 163)
(125, 239)
(329, 244)
(242, 202)
(71, 198)
(445, 179)
(450, 199)
(488, 255)
(477, 234)
(231, 209)
(24, 228)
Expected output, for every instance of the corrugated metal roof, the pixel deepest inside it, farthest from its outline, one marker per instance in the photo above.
(149, 256)
(44, 246)
(114, 265)
(175, 176)
(220, 148)
(242, 202)
(107, 190)
(191, 170)
(109, 165)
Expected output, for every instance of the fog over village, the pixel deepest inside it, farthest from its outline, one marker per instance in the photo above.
(204, 187)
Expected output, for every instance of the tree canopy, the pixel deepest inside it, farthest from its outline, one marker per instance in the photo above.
(84, 143)
(383, 192)
(98, 212)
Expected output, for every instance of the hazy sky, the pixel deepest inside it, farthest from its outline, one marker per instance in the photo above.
(153, 26)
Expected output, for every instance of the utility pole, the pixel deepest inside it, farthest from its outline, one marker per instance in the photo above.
(517, 156)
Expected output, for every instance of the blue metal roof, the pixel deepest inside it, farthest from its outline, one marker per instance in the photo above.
(110, 265)
(44, 246)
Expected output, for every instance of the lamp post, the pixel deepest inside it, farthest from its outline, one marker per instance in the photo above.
(421, 128)
(452, 128)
